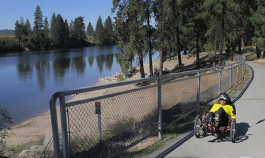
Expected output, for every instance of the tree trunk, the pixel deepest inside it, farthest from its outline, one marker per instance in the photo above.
(140, 55)
(258, 52)
(161, 62)
(150, 62)
(242, 43)
(220, 57)
(197, 52)
(214, 51)
(178, 48)
(239, 45)
(150, 52)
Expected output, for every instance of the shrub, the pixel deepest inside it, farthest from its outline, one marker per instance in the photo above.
(120, 77)
(5, 122)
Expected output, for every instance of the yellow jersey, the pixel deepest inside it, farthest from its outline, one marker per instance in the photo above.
(229, 110)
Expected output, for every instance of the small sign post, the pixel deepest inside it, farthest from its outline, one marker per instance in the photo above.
(98, 112)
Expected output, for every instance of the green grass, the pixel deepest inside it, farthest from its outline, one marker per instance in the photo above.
(7, 35)
(16, 149)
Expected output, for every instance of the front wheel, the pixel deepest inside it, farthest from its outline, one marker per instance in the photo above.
(198, 126)
(233, 130)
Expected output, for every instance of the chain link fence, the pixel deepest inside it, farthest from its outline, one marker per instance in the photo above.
(105, 120)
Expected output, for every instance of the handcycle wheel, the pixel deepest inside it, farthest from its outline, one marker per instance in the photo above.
(233, 130)
(197, 126)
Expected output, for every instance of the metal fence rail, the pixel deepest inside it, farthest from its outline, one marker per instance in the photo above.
(103, 120)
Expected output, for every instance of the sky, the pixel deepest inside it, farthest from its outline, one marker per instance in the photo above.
(13, 10)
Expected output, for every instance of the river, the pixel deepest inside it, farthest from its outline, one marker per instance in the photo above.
(28, 79)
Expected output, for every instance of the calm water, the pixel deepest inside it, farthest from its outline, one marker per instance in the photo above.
(29, 79)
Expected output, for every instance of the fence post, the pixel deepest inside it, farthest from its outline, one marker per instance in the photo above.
(159, 107)
(64, 128)
(198, 93)
(98, 112)
(55, 132)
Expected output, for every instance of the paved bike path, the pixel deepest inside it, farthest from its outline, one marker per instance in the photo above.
(250, 142)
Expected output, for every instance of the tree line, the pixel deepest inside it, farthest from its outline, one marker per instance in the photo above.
(59, 34)
(173, 26)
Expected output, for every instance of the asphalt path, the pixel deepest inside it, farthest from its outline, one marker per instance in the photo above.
(250, 141)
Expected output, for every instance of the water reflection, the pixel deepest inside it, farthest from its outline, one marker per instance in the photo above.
(30, 78)
(42, 72)
(61, 66)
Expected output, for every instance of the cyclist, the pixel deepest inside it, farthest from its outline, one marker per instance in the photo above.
(222, 112)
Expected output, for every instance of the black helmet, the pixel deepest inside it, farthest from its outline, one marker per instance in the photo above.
(223, 96)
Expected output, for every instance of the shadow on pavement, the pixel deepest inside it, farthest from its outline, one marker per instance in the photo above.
(242, 129)
(241, 136)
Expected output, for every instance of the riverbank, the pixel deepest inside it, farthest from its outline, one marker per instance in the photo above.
(35, 128)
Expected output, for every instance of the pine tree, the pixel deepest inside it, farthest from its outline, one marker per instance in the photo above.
(27, 33)
(19, 31)
(258, 20)
(130, 29)
(193, 27)
(148, 4)
(219, 14)
(66, 34)
(79, 31)
(108, 32)
(53, 28)
(161, 9)
(90, 30)
(37, 28)
(46, 33)
(99, 31)
(22, 32)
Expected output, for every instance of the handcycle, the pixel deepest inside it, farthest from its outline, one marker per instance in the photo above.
(202, 129)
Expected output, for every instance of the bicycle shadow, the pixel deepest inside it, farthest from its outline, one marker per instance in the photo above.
(241, 136)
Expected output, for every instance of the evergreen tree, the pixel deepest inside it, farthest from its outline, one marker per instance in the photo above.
(258, 20)
(244, 29)
(90, 30)
(148, 4)
(27, 33)
(22, 32)
(193, 27)
(37, 28)
(131, 15)
(121, 29)
(59, 32)
(53, 28)
(161, 9)
(220, 15)
(46, 30)
(173, 29)
(19, 31)
(66, 34)
(108, 32)
(99, 31)
(79, 31)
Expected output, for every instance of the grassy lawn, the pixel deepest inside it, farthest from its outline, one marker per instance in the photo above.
(7, 35)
